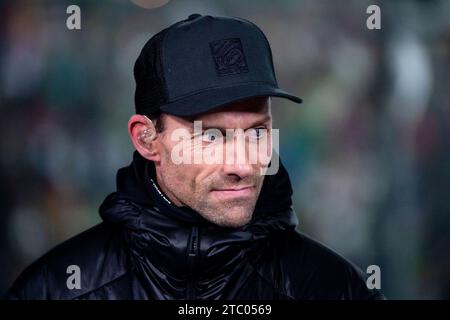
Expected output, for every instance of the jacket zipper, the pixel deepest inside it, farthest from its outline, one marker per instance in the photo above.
(192, 258)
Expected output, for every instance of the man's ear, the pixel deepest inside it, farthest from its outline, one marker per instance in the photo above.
(144, 136)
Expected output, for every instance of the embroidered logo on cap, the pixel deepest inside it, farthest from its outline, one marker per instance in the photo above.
(228, 56)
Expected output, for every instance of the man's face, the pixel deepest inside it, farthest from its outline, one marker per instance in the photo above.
(224, 193)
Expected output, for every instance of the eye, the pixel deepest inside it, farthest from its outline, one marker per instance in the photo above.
(256, 133)
(211, 136)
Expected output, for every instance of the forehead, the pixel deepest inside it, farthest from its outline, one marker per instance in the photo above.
(242, 114)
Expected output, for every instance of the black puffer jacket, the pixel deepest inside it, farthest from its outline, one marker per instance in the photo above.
(147, 248)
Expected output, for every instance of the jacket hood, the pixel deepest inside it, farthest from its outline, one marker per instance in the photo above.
(168, 245)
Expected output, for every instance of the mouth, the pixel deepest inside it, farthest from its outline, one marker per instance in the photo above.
(240, 192)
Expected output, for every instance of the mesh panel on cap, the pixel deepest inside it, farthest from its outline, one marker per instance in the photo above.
(151, 90)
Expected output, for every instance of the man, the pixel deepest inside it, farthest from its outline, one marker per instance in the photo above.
(215, 228)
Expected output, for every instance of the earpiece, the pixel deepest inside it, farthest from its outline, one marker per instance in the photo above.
(147, 136)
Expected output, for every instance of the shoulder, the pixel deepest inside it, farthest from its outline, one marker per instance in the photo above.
(92, 256)
(315, 271)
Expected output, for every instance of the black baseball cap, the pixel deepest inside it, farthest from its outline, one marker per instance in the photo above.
(204, 62)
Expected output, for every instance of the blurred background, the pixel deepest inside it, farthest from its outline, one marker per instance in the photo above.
(368, 152)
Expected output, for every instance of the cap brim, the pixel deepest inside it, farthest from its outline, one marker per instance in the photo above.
(213, 98)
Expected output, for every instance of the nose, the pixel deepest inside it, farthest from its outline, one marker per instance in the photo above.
(241, 171)
(237, 162)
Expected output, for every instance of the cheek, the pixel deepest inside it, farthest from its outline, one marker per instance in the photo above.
(182, 179)
(204, 175)
(196, 175)
(175, 175)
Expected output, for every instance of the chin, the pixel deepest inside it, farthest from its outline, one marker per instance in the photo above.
(232, 215)
(233, 219)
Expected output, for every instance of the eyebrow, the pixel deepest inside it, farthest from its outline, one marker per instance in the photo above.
(254, 124)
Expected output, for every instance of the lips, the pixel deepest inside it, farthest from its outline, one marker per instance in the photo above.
(238, 192)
